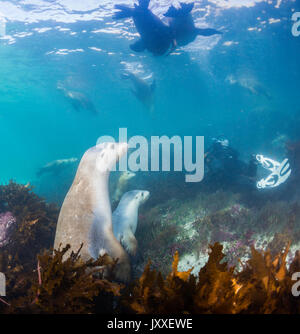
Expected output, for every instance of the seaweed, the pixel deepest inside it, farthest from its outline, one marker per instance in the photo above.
(56, 286)
(152, 294)
(33, 230)
(39, 281)
(264, 286)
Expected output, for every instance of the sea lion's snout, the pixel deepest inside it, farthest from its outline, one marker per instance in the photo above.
(145, 195)
(122, 148)
(108, 154)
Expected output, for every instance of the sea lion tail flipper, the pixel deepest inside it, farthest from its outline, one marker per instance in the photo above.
(124, 12)
(138, 46)
(129, 242)
(144, 3)
(208, 32)
(184, 10)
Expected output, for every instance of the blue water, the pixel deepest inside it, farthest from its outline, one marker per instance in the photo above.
(200, 88)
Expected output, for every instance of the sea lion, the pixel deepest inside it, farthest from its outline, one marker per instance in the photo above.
(142, 90)
(250, 84)
(156, 36)
(125, 218)
(122, 184)
(85, 216)
(78, 100)
(55, 167)
(182, 25)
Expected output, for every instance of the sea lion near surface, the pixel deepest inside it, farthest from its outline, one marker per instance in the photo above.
(183, 27)
(155, 36)
(143, 91)
(125, 218)
(85, 217)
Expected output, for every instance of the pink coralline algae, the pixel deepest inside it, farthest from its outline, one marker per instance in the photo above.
(6, 220)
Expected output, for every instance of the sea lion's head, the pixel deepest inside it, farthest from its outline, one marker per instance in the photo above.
(107, 155)
(139, 196)
(126, 176)
(102, 158)
(143, 195)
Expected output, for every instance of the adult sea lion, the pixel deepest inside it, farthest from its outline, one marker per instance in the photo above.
(182, 25)
(125, 218)
(156, 36)
(85, 216)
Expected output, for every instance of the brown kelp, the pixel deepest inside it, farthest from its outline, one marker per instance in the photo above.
(264, 286)
(57, 286)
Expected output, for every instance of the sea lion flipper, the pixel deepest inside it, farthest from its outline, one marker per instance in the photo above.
(138, 46)
(129, 242)
(144, 3)
(184, 10)
(124, 12)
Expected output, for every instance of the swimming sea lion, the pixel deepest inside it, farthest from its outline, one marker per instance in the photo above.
(183, 27)
(78, 100)
(125, 218)
(55, 167)
(156, 36)
(250, 84)
(85, 216)
(142, 90)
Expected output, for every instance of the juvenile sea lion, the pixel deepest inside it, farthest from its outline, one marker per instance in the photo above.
(182, 25)
(156, 36)
(142, 90)
(122, 184)
(85, 216)
(125, 218)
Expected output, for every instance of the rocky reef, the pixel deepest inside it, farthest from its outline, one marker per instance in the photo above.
(190, 226)
(206, 254)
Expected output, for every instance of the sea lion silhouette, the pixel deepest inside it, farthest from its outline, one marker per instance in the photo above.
(142, 90)
(78, 100)
(55, 167)
(156, 36)
(182, 25)
(250, 83)
(125, 218)
(85, 216)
